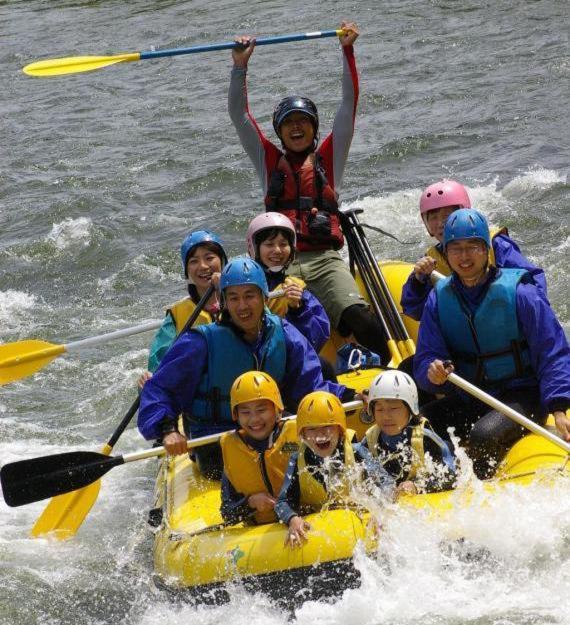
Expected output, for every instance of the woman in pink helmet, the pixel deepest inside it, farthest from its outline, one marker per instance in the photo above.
(271, 242)
(437, 202)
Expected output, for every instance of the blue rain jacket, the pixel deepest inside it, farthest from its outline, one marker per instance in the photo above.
(172, 388)
(310, 318)
(547, 344)
(507, 255)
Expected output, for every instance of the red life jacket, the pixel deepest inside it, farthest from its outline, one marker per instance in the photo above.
(295, 194)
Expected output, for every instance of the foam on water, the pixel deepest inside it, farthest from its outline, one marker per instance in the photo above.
(511, 568)
(71, 232)
(535, 178)
(14, 308)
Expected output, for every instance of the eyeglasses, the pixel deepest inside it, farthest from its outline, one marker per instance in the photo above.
(469, 250)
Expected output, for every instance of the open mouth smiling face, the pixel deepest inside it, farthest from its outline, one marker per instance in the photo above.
(322, 440)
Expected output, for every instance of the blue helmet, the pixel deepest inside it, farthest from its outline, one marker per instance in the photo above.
(197, 238)
(243, 270)
(466, 223)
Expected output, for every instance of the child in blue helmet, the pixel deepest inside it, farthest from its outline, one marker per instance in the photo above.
(202, 256)
(196, 375)
(501, 334)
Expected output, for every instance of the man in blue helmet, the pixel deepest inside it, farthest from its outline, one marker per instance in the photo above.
(499, 331)
(302, 180)
(195, 377)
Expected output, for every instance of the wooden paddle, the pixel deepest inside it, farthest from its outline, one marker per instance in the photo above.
(64, 514)
(26, 481)
(76, 64)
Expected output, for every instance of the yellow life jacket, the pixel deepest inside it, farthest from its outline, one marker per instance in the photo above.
(181, 311)
(442, 264)
(251, 472)
(280, 305)
(417, 445)
(313, 493)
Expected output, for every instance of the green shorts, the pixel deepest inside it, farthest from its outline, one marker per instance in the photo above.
(329, 280)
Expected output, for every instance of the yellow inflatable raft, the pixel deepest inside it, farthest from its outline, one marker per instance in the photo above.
(193, 548)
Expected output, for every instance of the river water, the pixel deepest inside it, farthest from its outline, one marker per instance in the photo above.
(102, 175)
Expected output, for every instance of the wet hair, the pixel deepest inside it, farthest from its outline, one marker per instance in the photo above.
(271, 233)
(210, 246)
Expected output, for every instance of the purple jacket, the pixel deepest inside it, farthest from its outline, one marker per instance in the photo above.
(507, 254)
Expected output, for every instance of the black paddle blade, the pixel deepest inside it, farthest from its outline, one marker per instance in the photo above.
(31, 480)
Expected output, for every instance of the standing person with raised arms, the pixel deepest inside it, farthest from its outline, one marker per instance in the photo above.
(499, 331)
(302, 180)
(437, 203)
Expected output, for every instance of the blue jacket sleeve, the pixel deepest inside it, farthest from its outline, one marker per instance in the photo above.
(290, 493)
(311, 320)
(303, 372)
(161, 343)
(547, 344)
(374, 470)
(414, 296)
(234, 506)
(171, 389)
(508, 255)
(430, 346)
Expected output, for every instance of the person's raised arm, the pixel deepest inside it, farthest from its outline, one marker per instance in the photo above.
(262, 153)
(334, 149)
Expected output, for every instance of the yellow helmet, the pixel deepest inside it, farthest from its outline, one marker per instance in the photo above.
(254, 385)
(320, 409)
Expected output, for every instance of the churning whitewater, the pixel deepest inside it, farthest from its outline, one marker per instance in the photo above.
(103, 174)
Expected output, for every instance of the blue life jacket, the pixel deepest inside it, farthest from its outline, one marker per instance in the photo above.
(228, 357)
(487, 345)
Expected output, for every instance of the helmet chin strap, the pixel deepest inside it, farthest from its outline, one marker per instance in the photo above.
(277, 268)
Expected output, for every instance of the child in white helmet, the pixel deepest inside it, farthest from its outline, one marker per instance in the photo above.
(402, 440)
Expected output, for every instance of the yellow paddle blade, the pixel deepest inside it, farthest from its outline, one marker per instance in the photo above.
(407, 348)
(64, 514)
(395, 352)
(76, 64)
(23, 358)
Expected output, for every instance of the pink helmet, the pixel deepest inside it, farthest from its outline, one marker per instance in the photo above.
(444, 193)
(266, 221)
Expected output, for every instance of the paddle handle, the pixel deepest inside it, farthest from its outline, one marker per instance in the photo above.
(435, 276)
(263, 41)
(508, 411)
(210, 438)
(139, 329)
(111, 336)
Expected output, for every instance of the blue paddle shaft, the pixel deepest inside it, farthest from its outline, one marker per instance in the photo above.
(154, 54)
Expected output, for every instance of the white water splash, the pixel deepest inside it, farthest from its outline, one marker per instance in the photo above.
(536, 178)
(71, 232)
(14, 308)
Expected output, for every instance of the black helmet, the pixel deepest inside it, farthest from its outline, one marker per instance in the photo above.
(293, 104)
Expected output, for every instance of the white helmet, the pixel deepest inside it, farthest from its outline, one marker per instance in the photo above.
(393, 384)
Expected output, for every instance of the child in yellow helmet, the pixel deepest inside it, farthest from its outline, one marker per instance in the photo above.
(317, 473)
(256, 455)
